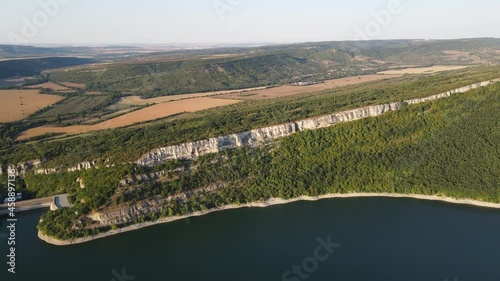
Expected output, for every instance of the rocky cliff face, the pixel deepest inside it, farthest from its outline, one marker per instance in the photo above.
(135, 179)
(129, 214)
(20, 169)
(154, 205)
(256, 137)
(82, 166)
(449, 93)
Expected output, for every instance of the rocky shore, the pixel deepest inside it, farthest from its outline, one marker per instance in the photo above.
(267, 203)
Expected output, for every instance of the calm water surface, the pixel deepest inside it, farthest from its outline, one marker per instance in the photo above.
(380, 239)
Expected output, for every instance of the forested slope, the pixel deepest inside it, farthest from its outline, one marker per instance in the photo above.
(230, 119)
(448, 146)
(191, 71)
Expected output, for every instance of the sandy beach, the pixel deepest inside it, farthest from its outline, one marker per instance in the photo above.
(267, 203)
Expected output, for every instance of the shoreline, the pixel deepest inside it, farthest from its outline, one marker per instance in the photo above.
(268, 203)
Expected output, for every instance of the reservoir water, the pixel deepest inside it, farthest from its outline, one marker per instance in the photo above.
(335, 239)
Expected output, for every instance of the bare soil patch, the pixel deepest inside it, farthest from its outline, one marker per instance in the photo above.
(284, 91)
(423, 70)
(18, 104)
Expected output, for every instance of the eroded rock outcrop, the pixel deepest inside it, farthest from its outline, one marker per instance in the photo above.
(82, 166)
(46, 171)
(20, 169)
(154, 205)
(135, 179)
(80, 182)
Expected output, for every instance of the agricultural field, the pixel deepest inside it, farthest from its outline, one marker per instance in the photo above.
(423, 70)
(105, 115)
(73, 85)
(76, 105)
(16, 105)
(283, 91)
(483, 56)
(167, 106)
(50, 86)
(137, 100)
(229, 119)
(147, 114)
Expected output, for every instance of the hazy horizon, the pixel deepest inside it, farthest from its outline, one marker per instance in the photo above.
(236, 22)
(222, 44)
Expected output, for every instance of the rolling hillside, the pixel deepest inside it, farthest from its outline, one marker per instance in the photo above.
(182, 72)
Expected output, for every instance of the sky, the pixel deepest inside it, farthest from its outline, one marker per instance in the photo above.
(95, 22)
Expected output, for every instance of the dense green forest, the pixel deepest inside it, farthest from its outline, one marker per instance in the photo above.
(138, 140)
(448, 147)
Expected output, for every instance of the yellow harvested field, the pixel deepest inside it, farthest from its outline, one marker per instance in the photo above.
(147, 114)
(423, 70)
(49, 85)
(136, 100)
(19, 104)
(284, 91)
(73, 85)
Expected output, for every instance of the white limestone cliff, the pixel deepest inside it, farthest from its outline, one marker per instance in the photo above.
(256, 137)
(251, 138)
(20, 169)
(82, 166)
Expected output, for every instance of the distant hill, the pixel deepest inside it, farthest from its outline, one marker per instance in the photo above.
(180, 72)
(29, 67)
(18, 51)
(200, 75)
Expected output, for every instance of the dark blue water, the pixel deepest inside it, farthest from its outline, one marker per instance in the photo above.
(380, 239)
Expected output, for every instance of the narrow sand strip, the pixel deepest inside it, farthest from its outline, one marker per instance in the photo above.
(267, 203)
